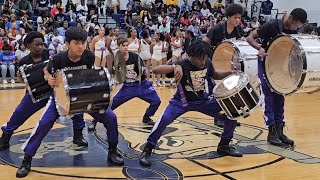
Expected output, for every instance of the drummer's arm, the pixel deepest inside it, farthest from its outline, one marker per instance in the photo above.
(251, 39)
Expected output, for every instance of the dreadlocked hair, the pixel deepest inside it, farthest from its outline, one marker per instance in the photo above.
(199, 48)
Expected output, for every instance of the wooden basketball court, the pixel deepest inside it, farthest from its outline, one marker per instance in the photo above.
(186, 149)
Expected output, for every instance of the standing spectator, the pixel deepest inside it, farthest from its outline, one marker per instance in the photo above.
(266, 8)
(7, 61)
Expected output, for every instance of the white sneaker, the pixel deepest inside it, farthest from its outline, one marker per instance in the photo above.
(158, 83)
(12, 81)
(154, 84)
(163, 83)
(5, 81)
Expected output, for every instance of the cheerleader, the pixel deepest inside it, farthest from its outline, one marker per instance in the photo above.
(134, 43)
(156, 58)
(98, 46)
(145, 51)
(176, 45)
(165, 48)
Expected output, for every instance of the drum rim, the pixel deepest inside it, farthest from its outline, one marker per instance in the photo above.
(304, 59)
(236, 49)
(64, 79)
(234, 90)
(110, 87)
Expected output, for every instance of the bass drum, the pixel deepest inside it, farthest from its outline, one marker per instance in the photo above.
(231, 54)
(292, 64)
(83, 91)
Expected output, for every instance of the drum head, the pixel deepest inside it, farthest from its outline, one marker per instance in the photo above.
(61, 94)
(230, 85)
(284, 65)
(223, 55)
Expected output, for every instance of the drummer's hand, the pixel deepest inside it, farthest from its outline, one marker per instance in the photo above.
(51, 81)
(262, 52)
(178, 73)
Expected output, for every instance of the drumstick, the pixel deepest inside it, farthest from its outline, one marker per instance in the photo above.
(234, 66)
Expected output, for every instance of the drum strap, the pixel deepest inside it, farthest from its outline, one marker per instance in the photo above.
(280, 21)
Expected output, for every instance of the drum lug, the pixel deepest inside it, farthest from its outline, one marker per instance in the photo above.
(27, 75)
(105, 95)
(89, 106)
(73, 98)
(70, 75)
(102, 111)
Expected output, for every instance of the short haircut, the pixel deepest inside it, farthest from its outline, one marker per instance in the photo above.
(121, 40)
(76, 33)
(31, 36)
(299, 14)
(234, 9)
(7, 47)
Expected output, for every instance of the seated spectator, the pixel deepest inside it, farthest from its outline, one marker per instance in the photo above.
(255, 23)
(164, 27)
(184, 20)
(4, 41)
(71, 9)
(21, 51)
(11, 22)
(194, 28)
(62, 30)
(55, 9)
(2, 23)
(60, 17)
(24, 8)
(185, 5)
(146, 17)
(7, 61)
(57, 46)
(26, 25)
(42, 6)
(205, 11)
(57, 37)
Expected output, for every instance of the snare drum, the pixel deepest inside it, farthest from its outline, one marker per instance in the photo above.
(37, 86)
(292, 64)
(82, 91)
(243, 56)
(236, 96)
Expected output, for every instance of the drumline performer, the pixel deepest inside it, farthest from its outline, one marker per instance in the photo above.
(192, 73)
(230, 29)
(134, 81)
(76, 58)
(273, 103)
(26, 108)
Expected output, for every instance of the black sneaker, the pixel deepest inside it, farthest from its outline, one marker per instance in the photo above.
(146, 154)
(92, 126)
(282, 137)
(4, 141)
(227, 150)
(78, 138)
(273, 137)
(147, 120)
(115, 157)
(218, 123)
(25, 167)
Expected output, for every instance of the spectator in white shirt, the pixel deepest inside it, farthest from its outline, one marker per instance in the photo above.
(205, 11)
(164, 27)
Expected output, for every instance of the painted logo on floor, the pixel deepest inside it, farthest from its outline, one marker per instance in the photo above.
(186, 139)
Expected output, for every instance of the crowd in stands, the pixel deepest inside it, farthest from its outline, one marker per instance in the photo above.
(168, 19)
